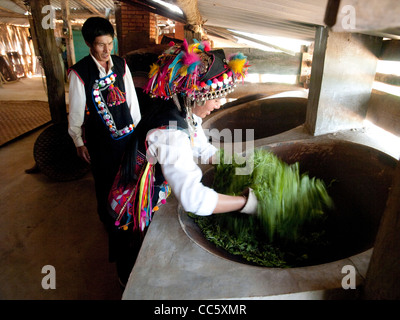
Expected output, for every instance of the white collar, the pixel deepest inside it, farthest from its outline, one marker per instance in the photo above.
(100, 67)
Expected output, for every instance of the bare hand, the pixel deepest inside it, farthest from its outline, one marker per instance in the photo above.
(83, 153)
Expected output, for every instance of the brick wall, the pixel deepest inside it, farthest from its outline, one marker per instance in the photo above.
(179, 31)
(135, 19)
(137, 28)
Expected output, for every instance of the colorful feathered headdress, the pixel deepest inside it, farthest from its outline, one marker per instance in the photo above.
(195, 71)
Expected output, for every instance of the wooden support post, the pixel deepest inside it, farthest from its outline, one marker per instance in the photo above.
(68, 33)
(331, 12)
(194, 22)
(50, 61)
(190, 34)
(118, 22)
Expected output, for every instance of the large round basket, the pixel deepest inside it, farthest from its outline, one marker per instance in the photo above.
(55, 154)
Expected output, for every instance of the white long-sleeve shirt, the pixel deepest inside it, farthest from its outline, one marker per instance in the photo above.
(77, 101)
(202, 149)
(173, 150)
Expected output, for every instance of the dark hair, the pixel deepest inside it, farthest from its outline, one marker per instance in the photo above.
(95, 27)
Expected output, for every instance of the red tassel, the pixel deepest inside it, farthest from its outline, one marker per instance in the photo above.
(115, 96)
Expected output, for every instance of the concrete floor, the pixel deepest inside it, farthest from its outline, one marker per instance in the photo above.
(43, 222)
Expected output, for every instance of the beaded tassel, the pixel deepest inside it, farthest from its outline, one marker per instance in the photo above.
(115, 96)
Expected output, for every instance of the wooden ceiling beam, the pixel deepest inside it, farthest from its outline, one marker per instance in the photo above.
(21, 4)
(10, 14)
(6, 10)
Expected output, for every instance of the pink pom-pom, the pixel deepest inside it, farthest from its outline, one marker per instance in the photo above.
(185, 45)
(116, 223)
(171, 43)
(206, 46)
(163, 201)
(190, 58)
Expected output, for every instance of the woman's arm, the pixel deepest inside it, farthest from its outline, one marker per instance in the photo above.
(229, 203)
(171, 148)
